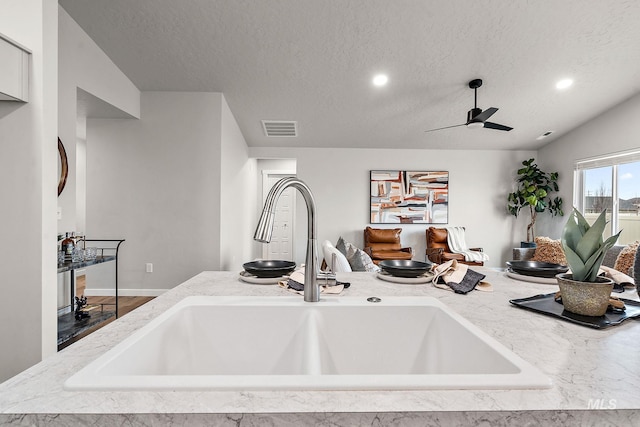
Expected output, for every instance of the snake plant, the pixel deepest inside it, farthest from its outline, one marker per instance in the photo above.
(584, 246)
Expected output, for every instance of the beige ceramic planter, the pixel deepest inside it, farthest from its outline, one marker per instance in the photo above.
(585, 298)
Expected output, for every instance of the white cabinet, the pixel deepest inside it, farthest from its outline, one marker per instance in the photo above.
(14, 71)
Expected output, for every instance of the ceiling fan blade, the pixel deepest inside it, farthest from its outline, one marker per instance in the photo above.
(446, 127)
(485, 114)
(496, 126)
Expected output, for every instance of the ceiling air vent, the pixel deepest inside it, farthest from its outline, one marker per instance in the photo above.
(280, 128)
(544, 135)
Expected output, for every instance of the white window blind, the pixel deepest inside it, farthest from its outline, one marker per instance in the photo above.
(609, 160)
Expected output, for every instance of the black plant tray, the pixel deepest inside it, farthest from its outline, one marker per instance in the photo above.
(546, 304)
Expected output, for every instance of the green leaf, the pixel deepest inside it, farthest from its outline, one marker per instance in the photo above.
(557, 202)
(592, 267)
(590, 242)
(576, 264)
(571, 234)
(533, 188)
(595, 261)
(513, 210)
(582, 223)
(584, 247)
(592, 238)
(612, 240)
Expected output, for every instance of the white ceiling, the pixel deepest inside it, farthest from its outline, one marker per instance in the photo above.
(312, 61)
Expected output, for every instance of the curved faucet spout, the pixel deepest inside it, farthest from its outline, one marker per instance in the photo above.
(265, 229)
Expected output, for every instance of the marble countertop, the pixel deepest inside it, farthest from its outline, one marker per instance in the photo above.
(590, 368)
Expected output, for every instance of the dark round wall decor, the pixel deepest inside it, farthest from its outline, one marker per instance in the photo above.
(64, 167)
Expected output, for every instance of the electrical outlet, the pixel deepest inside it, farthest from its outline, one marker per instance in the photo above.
(149, 267)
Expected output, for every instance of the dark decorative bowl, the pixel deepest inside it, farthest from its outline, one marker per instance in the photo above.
(537, 268)
(404, 267)
(269, 268)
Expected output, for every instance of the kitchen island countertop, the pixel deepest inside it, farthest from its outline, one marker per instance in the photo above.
(595, 373)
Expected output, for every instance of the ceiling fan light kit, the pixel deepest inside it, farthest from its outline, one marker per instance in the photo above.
(476, 118)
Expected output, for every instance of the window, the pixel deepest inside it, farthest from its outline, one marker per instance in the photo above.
(611, 183)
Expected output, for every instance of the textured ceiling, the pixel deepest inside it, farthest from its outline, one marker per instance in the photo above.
(312, 61)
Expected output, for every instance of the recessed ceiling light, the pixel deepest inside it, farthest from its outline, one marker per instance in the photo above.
(564, 83)
(380, 80)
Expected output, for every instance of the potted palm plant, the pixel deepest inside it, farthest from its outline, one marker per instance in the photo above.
(534, 188)
(583, 290)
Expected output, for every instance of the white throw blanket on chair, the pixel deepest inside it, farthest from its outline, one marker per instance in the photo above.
(457, 244)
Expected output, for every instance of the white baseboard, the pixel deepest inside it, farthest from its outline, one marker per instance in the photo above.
(124, 292)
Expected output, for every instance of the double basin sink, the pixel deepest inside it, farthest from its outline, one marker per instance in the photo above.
(339, 343)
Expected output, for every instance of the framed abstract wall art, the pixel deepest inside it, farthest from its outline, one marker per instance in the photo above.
(409, 197)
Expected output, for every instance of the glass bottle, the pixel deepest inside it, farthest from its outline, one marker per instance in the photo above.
(67, 245)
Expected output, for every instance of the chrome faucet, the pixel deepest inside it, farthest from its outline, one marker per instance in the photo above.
(265, 229)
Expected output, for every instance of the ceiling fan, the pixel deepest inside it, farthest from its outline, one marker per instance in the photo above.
(476, 118)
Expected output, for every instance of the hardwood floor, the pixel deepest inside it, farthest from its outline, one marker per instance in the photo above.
(125, 305)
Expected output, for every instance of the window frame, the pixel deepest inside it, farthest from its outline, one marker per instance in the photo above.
(612, 160)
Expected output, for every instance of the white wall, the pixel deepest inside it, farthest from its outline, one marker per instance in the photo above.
(237, 194)
(276, 165)
(479, 184)
(614, 131)
(84, 65)
(80, 175)
(201, 132)
(28, 183)
(156, 183)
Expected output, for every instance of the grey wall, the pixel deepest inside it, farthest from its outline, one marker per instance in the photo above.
(28, 188)
(84, 68)
(177, 144)
(84, 65)
(479, 184)
(156, 183)
(237, 194)
(614, 131)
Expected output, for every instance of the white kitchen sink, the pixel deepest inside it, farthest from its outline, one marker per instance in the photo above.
(339, 343)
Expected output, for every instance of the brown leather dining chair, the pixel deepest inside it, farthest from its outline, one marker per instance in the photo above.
(381, 244)
(438, 250)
